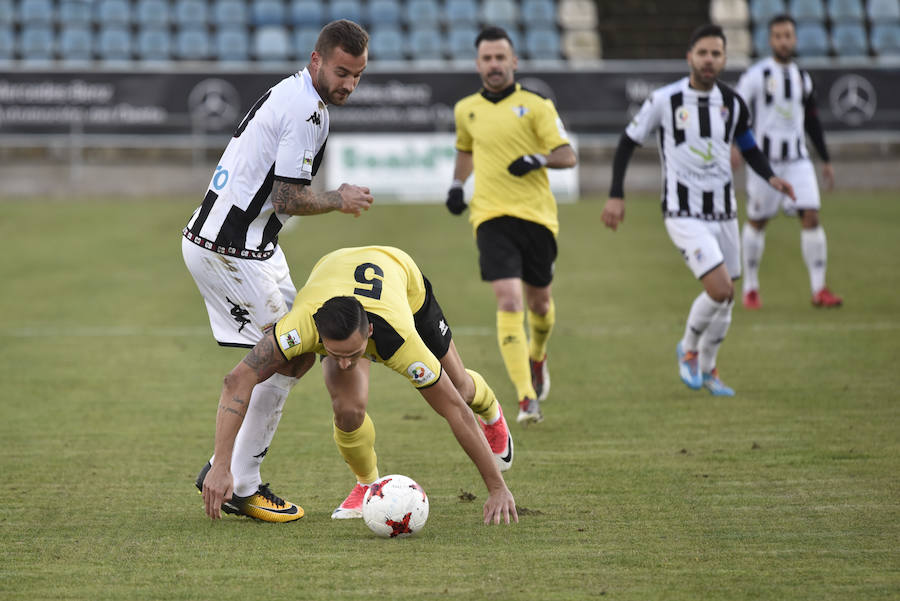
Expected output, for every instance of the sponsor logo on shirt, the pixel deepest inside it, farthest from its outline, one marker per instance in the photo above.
(289, 339)
(314, 119)
(420, 373)
(681, 117)
(307, 164)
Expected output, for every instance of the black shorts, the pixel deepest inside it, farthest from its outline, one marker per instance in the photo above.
(509, 247)
(432, 325)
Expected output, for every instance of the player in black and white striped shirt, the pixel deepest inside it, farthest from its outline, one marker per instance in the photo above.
(698, 118)
(230, 244)
(782, 100)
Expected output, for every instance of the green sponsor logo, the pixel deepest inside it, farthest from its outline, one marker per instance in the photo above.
(706, 156)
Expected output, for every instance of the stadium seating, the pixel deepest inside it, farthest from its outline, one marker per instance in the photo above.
(305, 41)
(849, 39)
(729, 13)
(36, 12)
(886, 39)
(740, 44)
(807, 10)
(812, 39)
(382, 12)
(883, 11)
(7, 12)
(426, 44)
(538, 13)
(7, 42)
(113, 43)
(576, 14)
(152, 13)
(845, 10)
(386, 43)
(76, 43)
(113, 12)
(307, 13)
(542, 43)
(461, 41)
(154, 44)
(461, 12)
(761, 40)
(345, 9)
(75, 12)
(192, 43)
(191, 13)
(231, 44)
(581, 45)
(763, 10)
(504, 13)
(36, 43)
(422, 13)
(267, 12)
(271, 43)
(230, 13)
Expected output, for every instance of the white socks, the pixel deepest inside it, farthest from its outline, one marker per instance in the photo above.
(753, 244)
(815, 253)
(257, 431)
(707, 325)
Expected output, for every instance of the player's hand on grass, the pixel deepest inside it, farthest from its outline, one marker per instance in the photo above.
(354, 199)
(456, 204)
(218, 486)
(613, 212)
(828, 176)
(782, 186)
(500, 505)
(526, 163)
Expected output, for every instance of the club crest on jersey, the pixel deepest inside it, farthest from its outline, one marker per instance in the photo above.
(771, 85)
(420, 373)
(698, 254)
(307, 164)
(289, 339)
(681, 117)
(520, 110)
(724, 111)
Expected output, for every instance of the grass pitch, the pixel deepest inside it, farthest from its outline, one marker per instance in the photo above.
(634, 487)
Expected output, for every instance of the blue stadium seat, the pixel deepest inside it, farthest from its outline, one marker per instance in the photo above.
(763, 10)
(7, 12)
(191, 13)
(7, 42)
(232, 44)
(271, 43)
(542, 43)
(849, 39)
(154, 43)
(113, 12)
(36, 12)
(229, 13)
(426, 43)
(422, 13)
(761, 40)
(812, 39)
(76, 43)
(461, 12)
(883, 11)
(75, 12)
(461, 41)
(152, 13)
(504, 13)
(383, 12)
(387, 43)
(307, 13)
(267, 12)
(192, 43)
(807, 10)
(305, 42)
(541, 13)
(513, 32)
(845, 10)
(345, 9)
(113, 43)
(886, 39)
(36, 43)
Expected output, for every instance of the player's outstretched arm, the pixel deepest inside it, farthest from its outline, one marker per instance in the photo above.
(298, 199)
(444, 399)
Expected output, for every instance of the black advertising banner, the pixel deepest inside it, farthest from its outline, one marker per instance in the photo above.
(182, 102)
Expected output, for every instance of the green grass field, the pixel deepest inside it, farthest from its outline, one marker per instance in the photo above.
(633, 488)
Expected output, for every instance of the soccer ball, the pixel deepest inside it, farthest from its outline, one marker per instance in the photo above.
(395, 507)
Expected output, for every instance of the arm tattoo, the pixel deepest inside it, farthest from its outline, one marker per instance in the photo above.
(230, 410)
(262, 355)
(298, 199)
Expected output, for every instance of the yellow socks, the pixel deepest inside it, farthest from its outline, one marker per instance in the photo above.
(358, 450)
(540, 328)
(485, 403)
(514, 349)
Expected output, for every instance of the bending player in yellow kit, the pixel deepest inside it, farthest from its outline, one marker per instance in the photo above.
(361, 305)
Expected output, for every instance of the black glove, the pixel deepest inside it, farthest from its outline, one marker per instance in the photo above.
(526, 163)
(455, 202)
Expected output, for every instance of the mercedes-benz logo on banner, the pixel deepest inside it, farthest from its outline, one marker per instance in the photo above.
(853, 99)
(214, 104)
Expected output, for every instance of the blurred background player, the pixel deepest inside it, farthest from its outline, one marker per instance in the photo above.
(782, 101)
(230, 244)
(699, 117)
(361, 305)
(509, 136)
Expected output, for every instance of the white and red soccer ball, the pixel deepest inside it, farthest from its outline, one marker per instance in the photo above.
(395, 507)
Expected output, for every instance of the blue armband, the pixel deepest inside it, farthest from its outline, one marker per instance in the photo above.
(745, 141)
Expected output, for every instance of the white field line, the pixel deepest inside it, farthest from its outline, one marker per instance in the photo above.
(595, 331)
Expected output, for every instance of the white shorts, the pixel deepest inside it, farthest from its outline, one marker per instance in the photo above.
(707, 244)
(244, 297)
(763, 201)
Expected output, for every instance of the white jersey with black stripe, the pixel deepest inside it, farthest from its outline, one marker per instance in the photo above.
(282, 137)
(776, 94)
(696, 129)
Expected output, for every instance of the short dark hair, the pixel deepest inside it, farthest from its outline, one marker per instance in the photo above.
(492, 33)
(343, 34)
(782, 18)
(340, 316)
(706, 31)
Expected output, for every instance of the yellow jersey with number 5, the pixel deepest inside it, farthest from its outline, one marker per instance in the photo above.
(391, 289)
(497, 133)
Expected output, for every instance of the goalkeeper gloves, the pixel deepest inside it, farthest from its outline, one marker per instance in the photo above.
(455, 202)
(526, 163)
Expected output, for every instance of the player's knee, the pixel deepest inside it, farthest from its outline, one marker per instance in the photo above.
(539, 306)
(348, 419)
(810, 219)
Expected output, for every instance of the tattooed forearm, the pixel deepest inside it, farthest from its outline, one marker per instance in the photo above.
(230, 410)
(298, 199)
(262, 354)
